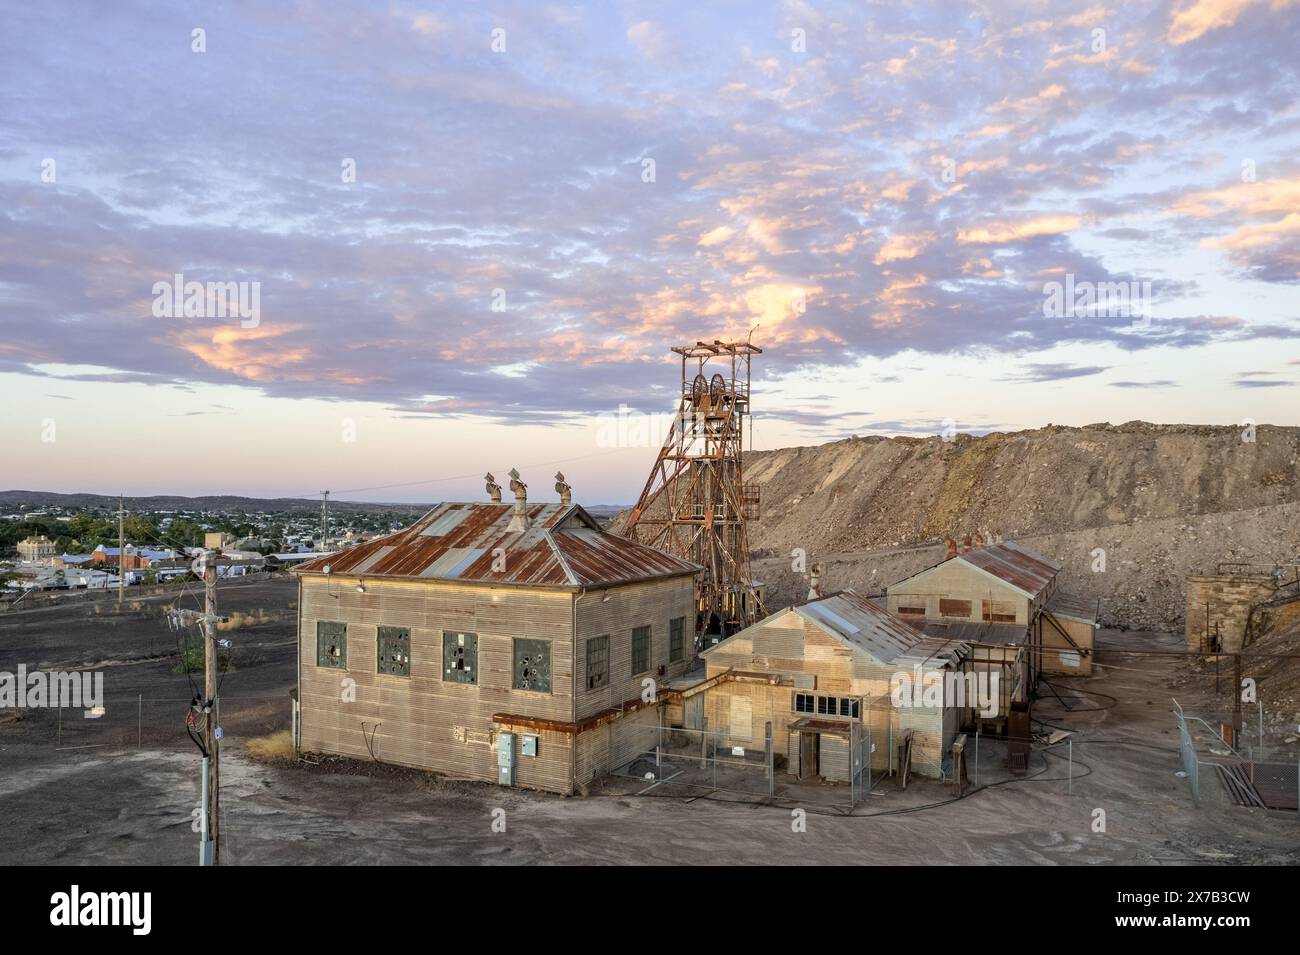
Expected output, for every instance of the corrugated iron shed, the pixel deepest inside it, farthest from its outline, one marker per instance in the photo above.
(562, 547)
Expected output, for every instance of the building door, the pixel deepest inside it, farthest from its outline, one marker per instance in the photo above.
(809, 752)
(693, 712)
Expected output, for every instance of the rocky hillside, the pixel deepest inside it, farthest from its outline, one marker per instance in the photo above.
(1161, 500)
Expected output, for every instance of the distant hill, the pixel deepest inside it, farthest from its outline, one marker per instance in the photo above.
(11, 501)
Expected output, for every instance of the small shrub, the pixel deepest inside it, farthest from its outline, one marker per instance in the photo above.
(275, 748)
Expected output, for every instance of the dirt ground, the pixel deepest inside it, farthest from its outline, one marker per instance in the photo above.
(122, 789)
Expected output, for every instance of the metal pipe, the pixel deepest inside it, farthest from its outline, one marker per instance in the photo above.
(203, 818)
(573, 740)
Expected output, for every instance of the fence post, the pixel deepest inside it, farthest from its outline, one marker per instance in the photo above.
(139, 721)
(977, 754)
(771, 774)
(704, 742)
(1069, 779)
(715, 765)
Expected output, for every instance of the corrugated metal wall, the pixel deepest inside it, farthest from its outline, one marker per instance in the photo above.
(424, 721)
(654, 604)
(421, 720)
(957, 580)
(1056, 649)
(832, 669)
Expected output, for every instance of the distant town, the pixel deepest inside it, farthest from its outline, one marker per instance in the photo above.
(51, 547)
(46, 546)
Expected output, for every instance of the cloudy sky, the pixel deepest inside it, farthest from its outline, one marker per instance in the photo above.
(475, 229)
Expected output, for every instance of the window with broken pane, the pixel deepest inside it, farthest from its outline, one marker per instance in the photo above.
(394, 651)
(460, 657)
(533, 665)
(598, 662)
(331, 644)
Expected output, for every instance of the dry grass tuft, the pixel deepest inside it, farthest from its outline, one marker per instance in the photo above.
(276, 748)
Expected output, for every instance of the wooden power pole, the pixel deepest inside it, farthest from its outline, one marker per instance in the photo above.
(324, 520)
(1236, 702)
(211, 739)
(121, 552)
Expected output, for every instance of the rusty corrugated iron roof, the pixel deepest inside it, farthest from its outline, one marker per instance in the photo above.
(563, 547)
(862, 623)
(1062, 604)
(985, 634)
(1015, 565)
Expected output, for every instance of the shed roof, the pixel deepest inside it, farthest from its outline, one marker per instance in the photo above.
(985, 634)
(863, 625)
(1061, 604)
(563, 546)
(1015, 565)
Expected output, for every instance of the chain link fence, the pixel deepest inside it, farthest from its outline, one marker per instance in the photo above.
(704, 759)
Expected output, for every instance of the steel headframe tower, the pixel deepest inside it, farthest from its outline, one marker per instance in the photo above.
(695, 503)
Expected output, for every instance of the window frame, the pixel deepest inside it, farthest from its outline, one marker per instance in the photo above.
(676, 639)
(536, 645)
(472, 672)
(342, 660)
(646, 653)
(379, 649)
(990, 611)
(604, 662)
(960, 615)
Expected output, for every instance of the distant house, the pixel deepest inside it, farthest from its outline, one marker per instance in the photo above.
(104, 556)
(498, 642)
(820, 674)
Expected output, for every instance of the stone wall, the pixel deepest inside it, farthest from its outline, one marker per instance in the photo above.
(1229, 598)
